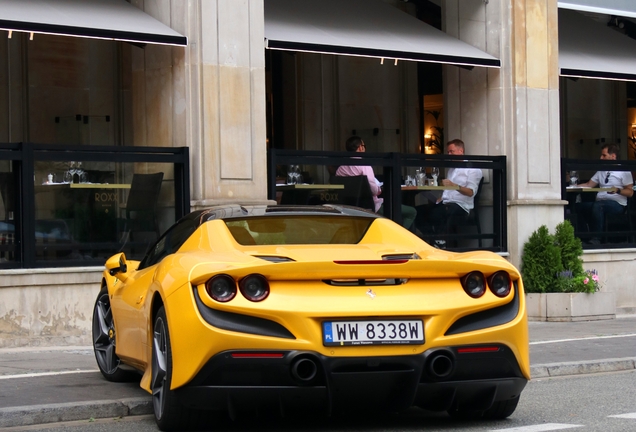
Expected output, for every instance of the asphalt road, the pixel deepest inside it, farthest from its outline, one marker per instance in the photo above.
(58, 384)
(601, 402)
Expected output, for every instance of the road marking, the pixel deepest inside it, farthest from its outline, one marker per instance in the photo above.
(40, 374)
(628, 416)
(580, 339)
(539, 428)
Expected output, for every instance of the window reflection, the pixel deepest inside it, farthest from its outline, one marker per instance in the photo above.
(86, 210)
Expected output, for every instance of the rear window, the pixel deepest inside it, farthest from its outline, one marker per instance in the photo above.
(282, 230)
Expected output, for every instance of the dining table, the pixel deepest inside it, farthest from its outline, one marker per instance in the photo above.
(428, 188)
(432, 193)
(576, 189)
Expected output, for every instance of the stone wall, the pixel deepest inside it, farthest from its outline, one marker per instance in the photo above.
(47, 307)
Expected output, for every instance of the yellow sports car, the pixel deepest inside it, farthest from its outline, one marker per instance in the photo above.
(324, 307)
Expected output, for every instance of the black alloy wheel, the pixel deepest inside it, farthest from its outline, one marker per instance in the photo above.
(104, 341)
(169, 413)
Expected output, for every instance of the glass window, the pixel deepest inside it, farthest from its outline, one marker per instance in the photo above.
(91, 209)
(169, 243)
(279, 230)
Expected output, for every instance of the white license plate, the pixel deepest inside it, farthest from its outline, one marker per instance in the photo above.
(375, 332)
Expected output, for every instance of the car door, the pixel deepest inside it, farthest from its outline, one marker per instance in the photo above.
(141, 288)
(127, 304)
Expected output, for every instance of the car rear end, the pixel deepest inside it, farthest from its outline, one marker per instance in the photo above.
(379, 320)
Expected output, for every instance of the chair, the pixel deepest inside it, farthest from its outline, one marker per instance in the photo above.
(470, 219)
(356, 192)
(621, 222)
(141, 205)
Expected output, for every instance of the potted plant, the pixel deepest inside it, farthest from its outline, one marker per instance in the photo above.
(558, 287)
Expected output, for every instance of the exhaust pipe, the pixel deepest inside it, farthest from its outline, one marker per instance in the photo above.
(304, 369)
(440, 364)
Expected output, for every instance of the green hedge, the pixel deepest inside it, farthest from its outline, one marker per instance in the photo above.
(552, 262)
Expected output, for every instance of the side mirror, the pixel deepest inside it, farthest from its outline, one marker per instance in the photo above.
(117, 264)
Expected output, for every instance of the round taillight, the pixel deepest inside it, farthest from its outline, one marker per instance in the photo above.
(474, 284)
(221, 288)
(499, 284)
(254, 287)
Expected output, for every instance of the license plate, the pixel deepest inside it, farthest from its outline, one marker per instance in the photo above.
(375, 332)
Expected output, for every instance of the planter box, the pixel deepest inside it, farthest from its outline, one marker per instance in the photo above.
(536, 307)
(571, 306)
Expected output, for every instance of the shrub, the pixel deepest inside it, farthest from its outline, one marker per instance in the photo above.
(552, 263)
(571, 248)
(541, 262)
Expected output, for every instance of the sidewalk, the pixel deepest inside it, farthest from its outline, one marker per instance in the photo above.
(53, 384)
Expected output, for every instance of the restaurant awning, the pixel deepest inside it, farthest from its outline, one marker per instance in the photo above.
(102, 19)
(589, 49)
(368, 28)
(625, 8)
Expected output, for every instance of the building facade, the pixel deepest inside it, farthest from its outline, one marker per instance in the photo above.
(214, 96)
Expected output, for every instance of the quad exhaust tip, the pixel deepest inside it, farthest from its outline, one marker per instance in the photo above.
(304, 369)
(440, 364)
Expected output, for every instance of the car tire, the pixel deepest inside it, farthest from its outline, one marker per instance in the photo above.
(170, 415)
(501, 409)
(104, 341)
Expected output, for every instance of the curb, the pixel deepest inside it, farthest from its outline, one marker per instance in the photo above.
(549, 370)
(62, 412)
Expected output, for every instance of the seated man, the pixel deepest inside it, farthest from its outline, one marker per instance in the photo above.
(613, 201)
(355, 144)
(432, 218)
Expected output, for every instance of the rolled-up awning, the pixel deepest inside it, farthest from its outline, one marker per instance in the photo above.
(368, 28)
(588, 49)
(101, 19)
(625, 8)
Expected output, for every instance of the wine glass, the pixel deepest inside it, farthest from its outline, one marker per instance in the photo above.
(290, 174)
(299, 175)
(68, 174)
(435, 174)
(574, 178)
(420, 177)
(81, 174)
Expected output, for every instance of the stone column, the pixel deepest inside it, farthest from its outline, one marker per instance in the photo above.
(209, 96)
(514, 110)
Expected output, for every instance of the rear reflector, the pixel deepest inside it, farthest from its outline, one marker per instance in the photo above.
(477, 350)
(392, 261)
(257, 355)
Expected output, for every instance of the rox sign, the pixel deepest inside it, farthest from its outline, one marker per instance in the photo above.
(105, 196)
(328, 196)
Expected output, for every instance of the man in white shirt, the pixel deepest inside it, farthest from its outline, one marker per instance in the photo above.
(459, 202)
(613, 201)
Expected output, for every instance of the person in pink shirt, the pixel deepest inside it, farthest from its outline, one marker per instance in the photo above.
(355, 144)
